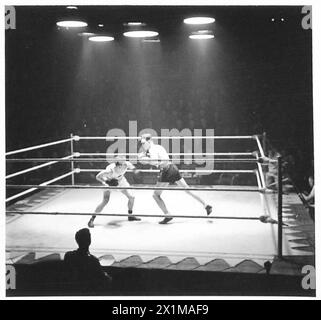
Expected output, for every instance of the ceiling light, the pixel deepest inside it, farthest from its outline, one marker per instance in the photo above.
(86, 34)
(72, 7)
(199, 20)
(71, 24)
(134, 23)
(101, 38)
(204, 32)
(202, 35)
(140, 34)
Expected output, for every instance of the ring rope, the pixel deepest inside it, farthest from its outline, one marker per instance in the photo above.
(36, 187)
(264, 203)
(275, 183)
(38, 147)
(72, 159)
(169, 153)
(182, 171)
(77, 138)
(259, 145)
(130, 215)
(262, 196)
(42, 186)
(258, 179)
(262, 175)
(263, 184)
(18, 173)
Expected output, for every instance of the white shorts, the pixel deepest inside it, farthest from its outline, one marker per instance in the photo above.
(122, 182)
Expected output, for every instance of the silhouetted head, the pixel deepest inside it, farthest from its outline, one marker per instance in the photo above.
(311, 181)
(83, 238)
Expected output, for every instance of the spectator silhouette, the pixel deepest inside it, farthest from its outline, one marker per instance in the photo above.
(83, 269)
(309, 197)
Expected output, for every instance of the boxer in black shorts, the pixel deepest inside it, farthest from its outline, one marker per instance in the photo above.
(170, 174)
(156, 155)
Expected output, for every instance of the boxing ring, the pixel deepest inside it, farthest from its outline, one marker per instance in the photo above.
(247, 222)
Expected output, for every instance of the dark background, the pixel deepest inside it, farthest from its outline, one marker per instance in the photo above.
(254, 77)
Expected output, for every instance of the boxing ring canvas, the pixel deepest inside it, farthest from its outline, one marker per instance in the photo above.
(115, 238)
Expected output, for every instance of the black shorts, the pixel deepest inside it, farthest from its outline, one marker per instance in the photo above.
(112, 182)
(170, 174)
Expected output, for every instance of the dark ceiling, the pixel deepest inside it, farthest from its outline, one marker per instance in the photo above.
(162, 18)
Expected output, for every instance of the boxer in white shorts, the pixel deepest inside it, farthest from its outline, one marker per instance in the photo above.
(114, 175)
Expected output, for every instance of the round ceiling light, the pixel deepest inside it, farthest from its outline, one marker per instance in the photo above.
(72, 24)
(140, 34)
(134, 23)
(199, 20)
(101, 38)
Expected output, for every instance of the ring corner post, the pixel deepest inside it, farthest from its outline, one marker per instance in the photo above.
(72, 157)
(280, 205)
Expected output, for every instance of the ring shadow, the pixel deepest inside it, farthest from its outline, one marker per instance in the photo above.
(118, 223)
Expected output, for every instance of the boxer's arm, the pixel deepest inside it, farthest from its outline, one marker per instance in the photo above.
(130, 166)
(162, 156)
(143, 158)
(104, 175)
